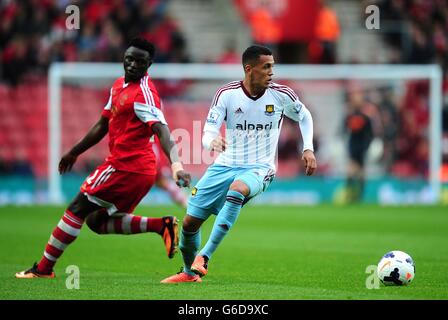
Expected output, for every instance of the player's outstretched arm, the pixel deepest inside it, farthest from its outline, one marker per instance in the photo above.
(310, 162)
(306, 127)
(169, 147)
(95, 134)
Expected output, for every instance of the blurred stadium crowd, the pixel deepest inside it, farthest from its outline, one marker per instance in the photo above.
(417, 33)
(426, 23)
(33, 35)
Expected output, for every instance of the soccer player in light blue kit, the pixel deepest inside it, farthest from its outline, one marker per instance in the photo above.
(253, 110)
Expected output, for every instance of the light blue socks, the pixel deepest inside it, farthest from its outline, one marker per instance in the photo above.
(224, 221)
(189, 244)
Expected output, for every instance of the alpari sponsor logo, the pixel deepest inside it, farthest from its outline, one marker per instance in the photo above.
(253, 126)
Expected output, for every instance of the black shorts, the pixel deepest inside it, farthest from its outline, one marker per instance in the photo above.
(358, 155)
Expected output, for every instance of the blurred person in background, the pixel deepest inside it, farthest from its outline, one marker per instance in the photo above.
(411, 144)
(388, 109)
(421, 49)
(359, 128)
(230, 54)
(327, 33)
(265, 29)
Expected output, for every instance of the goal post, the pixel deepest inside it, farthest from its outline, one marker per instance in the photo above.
(61, 72)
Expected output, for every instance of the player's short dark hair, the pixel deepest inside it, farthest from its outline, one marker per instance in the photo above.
(143, 44)
(251, 54)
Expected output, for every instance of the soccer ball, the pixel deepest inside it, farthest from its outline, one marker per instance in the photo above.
(396, 268)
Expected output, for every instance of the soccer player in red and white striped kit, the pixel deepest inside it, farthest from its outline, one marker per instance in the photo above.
(109, 195)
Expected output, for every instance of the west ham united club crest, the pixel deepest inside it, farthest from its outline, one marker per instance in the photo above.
(269, 110)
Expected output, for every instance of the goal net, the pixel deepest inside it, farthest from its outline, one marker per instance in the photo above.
(403, 104)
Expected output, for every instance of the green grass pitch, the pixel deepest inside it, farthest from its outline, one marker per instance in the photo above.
(286, 253)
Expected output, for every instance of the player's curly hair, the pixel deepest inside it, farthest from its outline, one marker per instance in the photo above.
(143, 44)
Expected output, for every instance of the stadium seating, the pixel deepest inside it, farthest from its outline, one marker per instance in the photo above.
(24, 123)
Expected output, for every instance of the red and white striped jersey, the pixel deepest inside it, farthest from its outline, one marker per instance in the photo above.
(132, 109)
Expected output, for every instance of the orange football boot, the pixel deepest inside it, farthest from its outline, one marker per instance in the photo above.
(170, 235)
(200, 265)
(33, 273)
(182, 277)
